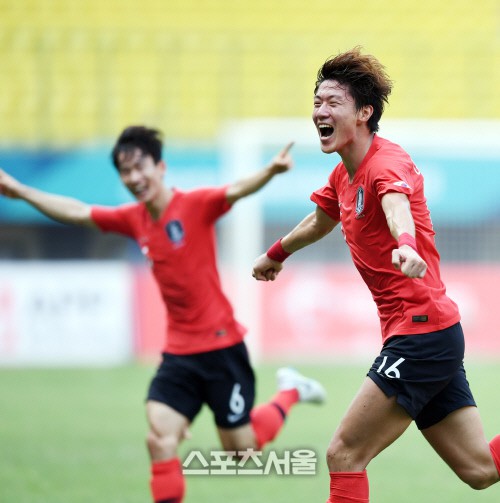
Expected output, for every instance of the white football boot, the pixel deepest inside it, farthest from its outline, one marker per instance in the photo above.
(310, 390)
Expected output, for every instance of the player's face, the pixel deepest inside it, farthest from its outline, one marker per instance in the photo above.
(335, 116)
(139, 173)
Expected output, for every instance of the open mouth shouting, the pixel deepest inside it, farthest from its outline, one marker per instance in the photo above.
(139, 191)
(325, 130)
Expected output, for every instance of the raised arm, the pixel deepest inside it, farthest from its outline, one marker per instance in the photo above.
(280, 164)
(406, 257)
(314, 227)
(60, 208)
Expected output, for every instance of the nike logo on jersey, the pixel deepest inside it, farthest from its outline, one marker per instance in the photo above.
(232, 418)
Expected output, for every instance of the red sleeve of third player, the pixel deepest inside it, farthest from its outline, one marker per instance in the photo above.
(326, 198)
(117, 219)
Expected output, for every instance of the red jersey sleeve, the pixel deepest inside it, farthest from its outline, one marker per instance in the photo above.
(327, 199)
(117, 219)
(388, 174)
(212, 202)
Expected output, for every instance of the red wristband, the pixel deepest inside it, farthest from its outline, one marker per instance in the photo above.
(277, 253)
(407, 239)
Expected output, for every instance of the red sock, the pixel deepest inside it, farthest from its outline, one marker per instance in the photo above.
(495, 451)
(267, 419)
(167, 481)
(285, 399)
(349, 487)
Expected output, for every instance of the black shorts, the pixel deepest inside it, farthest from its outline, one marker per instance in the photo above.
(426, 374)
(223, 379)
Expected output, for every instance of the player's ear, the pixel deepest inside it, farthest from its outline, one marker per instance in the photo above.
(162, 165)
(364, 113)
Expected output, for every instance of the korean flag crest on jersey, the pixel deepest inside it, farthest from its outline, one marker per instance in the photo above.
(360, 202)
(175, 232)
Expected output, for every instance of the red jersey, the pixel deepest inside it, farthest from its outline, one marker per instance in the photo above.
(405, 306)
(181, 249)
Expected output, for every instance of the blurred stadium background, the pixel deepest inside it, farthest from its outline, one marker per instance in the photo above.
(207, 73)
(229, 82)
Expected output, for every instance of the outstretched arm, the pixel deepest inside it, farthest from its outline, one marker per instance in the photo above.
(280, 164)
(405, 257)
(60, 208)
(314, 227)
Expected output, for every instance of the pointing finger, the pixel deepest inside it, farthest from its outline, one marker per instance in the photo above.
(286, 149)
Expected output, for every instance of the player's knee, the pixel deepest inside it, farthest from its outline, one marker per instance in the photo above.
(336, 454)
(342, 455)
(162, 446)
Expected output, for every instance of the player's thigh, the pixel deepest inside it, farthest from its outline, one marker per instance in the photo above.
(178, 384)
(372, 422)
(167, 429)
(164, 420)
(237, 439)
(460, 441)
(229, 390)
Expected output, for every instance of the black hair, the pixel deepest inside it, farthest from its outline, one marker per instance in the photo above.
(148, 140)
(365, 78)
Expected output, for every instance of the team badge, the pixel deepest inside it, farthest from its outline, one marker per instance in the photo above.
(360, 202)
(175, 232)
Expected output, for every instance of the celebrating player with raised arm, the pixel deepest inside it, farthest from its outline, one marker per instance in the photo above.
(204, 358)
(376, 193)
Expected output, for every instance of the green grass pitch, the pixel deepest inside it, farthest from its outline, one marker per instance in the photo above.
(77, 435)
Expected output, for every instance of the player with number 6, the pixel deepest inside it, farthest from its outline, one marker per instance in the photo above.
(205, 359)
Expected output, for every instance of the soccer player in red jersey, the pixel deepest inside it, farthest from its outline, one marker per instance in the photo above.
(204, 358)
(376, 193)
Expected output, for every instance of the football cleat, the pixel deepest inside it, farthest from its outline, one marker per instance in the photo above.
(310, 390)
